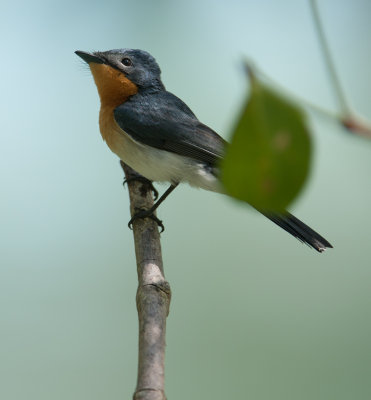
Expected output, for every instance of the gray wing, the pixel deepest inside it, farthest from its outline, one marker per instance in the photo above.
(163, 121)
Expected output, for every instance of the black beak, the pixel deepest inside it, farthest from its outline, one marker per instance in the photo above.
(89, 57)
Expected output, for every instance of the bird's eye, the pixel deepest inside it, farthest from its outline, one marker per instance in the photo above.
(126, 61)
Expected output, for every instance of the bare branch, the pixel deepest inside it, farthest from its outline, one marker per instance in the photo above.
(153, 295)
(357, 125)
(351, 122)
(329, 62)
(348, 119)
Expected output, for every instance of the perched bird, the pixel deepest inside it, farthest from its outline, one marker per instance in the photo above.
(157, 134)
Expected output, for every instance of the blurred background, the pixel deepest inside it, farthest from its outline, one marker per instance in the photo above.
(255, 314)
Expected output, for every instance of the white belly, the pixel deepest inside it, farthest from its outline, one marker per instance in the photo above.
(160, 165)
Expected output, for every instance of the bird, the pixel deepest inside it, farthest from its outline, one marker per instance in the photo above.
(158, 135)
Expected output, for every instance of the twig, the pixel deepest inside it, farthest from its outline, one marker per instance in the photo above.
(153, 294)
(344, 107)
(295, 97)
(347, 118)
(351, 122)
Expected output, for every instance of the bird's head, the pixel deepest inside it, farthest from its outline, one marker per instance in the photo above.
(121, 73)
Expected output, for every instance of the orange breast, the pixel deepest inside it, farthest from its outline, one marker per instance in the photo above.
(109, 129)
(114, 89)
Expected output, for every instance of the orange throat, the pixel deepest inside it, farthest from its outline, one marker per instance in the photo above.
(114, 89)
(113, 86)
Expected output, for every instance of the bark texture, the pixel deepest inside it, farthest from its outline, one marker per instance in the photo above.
(153, 294)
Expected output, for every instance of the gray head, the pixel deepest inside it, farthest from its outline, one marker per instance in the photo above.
(137, 65)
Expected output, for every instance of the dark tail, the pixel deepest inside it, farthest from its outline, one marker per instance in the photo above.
(301, 231)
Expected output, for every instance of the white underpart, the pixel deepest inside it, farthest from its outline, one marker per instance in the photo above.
(163, 166)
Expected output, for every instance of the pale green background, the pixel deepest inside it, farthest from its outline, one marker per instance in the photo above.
(255, 314)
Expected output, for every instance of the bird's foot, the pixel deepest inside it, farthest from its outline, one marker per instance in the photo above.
(144, 181)
(141, 214)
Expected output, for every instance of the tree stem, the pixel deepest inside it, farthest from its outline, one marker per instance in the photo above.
(329, 62)
(153, 294)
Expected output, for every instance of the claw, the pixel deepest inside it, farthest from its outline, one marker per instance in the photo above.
(146, 214)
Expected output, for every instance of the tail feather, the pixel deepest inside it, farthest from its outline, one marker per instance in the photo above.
(300, 230)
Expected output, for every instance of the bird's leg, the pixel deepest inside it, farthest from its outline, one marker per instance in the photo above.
(149, 213)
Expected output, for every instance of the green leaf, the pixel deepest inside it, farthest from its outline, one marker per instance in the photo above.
(268, 159)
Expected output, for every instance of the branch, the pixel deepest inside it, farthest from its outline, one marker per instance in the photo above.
(352, 122)
(329, 62)
(348, 119)
(153, 294)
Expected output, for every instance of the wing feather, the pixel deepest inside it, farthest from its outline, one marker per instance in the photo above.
(163, 121)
